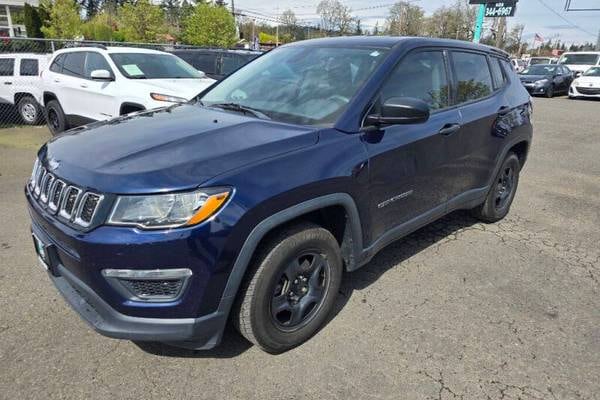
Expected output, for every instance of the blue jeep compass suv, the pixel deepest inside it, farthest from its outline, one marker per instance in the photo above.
(250, 202)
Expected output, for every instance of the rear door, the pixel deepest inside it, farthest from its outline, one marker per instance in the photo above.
(408, 164)
(7, 72)
(480, 100)
(74, 96)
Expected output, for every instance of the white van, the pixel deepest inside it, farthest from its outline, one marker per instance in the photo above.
(21, 85)
(580, 61)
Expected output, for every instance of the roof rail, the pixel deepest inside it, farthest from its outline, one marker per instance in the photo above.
(98, 45)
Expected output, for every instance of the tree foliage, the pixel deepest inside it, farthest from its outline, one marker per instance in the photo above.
(335, 16)
(405, 19)
(141, 21)
(100, 27)
(209, 25)
(32, 21)
(64, 21)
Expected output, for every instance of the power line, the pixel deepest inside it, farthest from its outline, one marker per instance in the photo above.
(565, 19)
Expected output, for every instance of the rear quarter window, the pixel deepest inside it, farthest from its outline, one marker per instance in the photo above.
(497, 74)
(29, 67)
(473, 77)
(56, 65)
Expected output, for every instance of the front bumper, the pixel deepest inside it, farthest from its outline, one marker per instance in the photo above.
(533, 90)
(593, 93)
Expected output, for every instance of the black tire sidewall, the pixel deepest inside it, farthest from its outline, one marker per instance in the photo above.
(489, 211)
(29, 100)
(268, 335)
(54, 106)
(550, 92)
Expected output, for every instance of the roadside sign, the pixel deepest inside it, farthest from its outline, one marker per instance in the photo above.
(500, 9)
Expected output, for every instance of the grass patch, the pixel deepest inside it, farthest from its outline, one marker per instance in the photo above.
(24, 137)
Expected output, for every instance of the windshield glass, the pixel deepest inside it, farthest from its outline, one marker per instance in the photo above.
(592, 72)
(153, 66)
(535, 61)
(539, 70)
(301, 85)
(579, 59)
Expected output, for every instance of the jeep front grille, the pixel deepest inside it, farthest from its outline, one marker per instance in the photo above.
(69, 201)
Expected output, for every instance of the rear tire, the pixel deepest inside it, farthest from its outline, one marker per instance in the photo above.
(290, 288)
(55, 117)
(29, 110)
(501, 194)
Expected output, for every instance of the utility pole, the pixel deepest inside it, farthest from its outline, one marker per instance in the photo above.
(598, 41)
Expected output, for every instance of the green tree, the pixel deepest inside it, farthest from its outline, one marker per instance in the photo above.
(335, 16)
(64, 21)
(33, 22)
(405, 19)
(99, 27)
(210, 25)
(141, 21)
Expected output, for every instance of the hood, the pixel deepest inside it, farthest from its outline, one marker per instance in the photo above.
(168, 149)
(186, 88)
(589, 81)
(533, 78)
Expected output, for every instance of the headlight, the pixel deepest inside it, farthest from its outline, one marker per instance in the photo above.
(541, 82)
(168, 210)
(575, 82)
(166, 97)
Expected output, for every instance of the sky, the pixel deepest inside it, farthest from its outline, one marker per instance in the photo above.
(545, 17)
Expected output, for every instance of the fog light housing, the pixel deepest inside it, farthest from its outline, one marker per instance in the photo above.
(150, 285)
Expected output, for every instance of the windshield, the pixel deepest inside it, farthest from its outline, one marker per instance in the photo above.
(301, 85)
(535, 61)
(592, 72)
(153, 66)
(579, 59)
(539, 70)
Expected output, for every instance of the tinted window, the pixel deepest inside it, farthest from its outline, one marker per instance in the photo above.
(29, 67)
(497, 73)
(205, 62)
(421, 76)
(57, 63)
(95, 61)
(7, 66)
(579, 59)
(73, 64)
(472, 76)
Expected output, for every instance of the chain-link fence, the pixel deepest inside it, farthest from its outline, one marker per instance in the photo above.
(24, 89)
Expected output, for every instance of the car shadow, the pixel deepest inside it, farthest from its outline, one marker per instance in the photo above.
(233, 344)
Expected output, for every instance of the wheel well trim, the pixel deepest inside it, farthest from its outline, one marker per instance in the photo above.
(251, 243)
(51, 97)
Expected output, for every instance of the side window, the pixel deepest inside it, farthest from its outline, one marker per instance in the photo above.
(205, 62)
(420, 75)
(472, 76)
(29, 67)
(499, 79)
(57, 63)
(73, 64)
(7, 66)
(94, 61)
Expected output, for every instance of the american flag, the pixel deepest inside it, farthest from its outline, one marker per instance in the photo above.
(538, 38)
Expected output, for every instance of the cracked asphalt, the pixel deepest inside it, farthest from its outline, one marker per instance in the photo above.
(457, 310)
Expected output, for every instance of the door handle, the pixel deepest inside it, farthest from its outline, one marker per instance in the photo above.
(503, 110)
(57, 80)
(8, 83)
(449, 129)
(84, 85)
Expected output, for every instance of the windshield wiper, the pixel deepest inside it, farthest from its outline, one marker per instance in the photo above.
(240, 108)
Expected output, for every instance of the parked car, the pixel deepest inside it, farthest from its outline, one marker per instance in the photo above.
(251, 203)
(21, 84)
(580, 61)
(216, 63)
(546, 79)
(85, 84)
(518, 64)
(587, 85)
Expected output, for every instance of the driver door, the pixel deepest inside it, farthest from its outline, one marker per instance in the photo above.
(409, 164)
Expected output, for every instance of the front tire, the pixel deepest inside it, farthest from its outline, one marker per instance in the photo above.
(29, 110)
(550, 92)
(55, 116)
(501, 194)
(291, 288)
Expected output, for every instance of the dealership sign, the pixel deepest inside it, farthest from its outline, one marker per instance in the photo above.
(500, 9)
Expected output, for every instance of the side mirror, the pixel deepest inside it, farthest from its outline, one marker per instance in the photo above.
(101, 75)
(400, 110)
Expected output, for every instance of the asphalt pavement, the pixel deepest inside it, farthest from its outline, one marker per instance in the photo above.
(457, 310)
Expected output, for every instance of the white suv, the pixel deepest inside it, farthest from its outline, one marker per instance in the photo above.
(20, 83)
(86, 84)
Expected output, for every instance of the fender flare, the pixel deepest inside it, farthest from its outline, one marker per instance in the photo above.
(242, 261)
